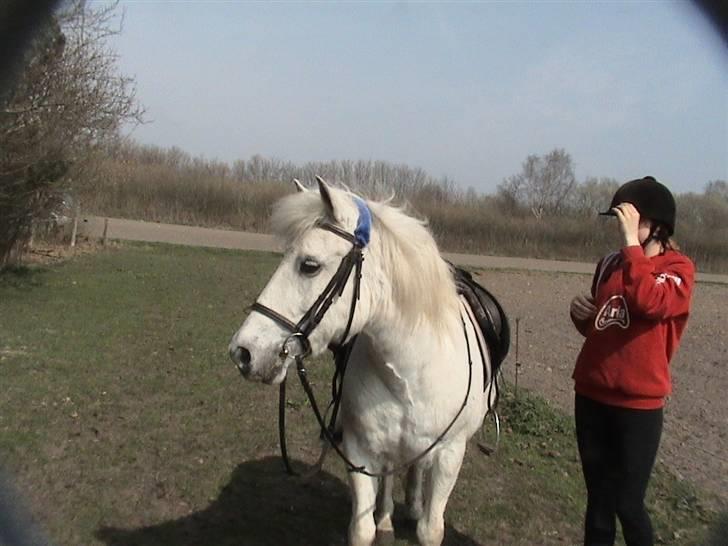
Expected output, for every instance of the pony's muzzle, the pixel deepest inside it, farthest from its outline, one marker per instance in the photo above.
(241, 358)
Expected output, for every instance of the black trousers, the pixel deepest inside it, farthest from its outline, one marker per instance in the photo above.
(617, 448)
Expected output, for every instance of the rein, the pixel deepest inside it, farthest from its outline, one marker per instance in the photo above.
(351, 262)
(327, 433)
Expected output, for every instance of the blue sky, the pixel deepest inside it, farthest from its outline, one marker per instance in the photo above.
(464, 90)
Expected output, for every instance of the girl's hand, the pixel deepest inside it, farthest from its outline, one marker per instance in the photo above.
(629, 223)
(582, 307)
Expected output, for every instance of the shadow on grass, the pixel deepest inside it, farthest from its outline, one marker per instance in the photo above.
(262, 506)
(21, 276)
(16, 523)
(718, 534)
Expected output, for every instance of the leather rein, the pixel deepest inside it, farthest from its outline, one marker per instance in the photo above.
(351, 262)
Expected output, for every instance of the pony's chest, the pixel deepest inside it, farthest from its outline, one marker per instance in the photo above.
(388, 425)
(386, 432)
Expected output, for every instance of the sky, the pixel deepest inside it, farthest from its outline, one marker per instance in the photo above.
(463, 90)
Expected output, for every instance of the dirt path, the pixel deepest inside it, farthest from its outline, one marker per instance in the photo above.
(695, 438)
(536, 294)
(135, 230)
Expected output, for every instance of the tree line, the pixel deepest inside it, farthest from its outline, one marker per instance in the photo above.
(542, 211)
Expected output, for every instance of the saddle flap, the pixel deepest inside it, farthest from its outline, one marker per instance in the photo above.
(489, 314)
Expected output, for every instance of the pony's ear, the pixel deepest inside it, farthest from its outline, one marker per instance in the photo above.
(325, 192)
(337, 205)
(299, 187)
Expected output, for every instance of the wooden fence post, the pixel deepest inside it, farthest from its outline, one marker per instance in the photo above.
(106, 230)
(74, 232)
(518, 362)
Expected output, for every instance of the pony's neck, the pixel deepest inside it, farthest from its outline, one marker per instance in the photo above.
(402, 342)
(411, 296)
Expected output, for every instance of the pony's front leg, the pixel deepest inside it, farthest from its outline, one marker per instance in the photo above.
(385, 505)
(362, 530)
(443, 475)
(413, 491)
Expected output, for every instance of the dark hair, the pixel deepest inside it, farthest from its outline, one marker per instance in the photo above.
(661, 233)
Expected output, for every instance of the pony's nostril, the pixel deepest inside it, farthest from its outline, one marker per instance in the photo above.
(244, 356)
(241, 357)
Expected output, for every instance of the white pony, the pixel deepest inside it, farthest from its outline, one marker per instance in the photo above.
(408, 377)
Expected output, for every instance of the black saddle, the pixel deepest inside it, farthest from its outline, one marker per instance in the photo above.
(488, 313)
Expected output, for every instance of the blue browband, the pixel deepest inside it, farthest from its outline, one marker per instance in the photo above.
(363, 230)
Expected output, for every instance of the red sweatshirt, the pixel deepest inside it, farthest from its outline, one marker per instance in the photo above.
(642, 308)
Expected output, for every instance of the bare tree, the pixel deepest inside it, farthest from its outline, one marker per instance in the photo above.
(717, 189)
(67, 102)
(543, 184)
(592, 195)
(706, 212)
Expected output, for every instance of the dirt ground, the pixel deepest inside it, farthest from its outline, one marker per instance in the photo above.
(695, 437)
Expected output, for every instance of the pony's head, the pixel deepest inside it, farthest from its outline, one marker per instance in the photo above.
(403, 281)
(318, 230)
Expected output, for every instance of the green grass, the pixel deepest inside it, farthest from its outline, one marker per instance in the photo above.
(124, 423)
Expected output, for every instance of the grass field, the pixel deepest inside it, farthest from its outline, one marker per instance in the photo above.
(125, 424)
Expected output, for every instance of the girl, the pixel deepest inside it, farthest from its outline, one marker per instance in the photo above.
(632, 322)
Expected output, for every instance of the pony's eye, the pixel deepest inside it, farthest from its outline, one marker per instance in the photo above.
(309, 267)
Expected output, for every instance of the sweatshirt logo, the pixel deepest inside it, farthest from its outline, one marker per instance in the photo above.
(663, 277)
(613, 312)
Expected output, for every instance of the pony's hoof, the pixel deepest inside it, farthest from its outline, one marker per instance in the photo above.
(384, 538)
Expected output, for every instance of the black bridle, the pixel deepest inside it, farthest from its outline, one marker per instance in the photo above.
(301, 331)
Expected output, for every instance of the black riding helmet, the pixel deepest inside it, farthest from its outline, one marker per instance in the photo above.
(651, 199)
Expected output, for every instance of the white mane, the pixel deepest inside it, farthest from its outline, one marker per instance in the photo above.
(295, 214)
(422, 285)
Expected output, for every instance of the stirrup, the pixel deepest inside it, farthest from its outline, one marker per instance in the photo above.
(485, 448)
